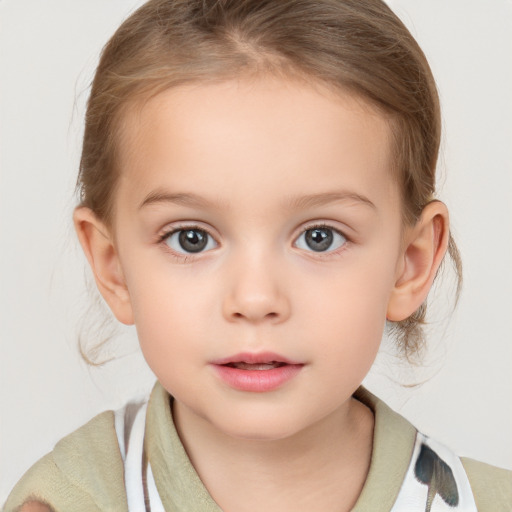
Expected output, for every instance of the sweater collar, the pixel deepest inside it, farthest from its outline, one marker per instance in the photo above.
(180, 487)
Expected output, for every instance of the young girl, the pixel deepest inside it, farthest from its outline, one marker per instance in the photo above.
(258, 197)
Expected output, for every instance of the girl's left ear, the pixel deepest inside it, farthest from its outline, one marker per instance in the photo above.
(425, 245)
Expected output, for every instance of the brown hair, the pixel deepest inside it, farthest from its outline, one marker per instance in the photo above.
(358, 46)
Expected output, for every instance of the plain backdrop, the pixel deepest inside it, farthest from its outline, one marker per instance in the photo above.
(48, 51)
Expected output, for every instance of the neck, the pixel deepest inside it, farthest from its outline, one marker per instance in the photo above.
(322, 467)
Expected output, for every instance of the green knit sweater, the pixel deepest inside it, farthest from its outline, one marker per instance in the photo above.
(84, 473)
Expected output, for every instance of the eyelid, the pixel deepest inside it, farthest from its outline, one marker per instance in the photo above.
(322, 224)
(169, 229)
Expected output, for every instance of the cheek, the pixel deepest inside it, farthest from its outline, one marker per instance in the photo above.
(347, 308)
(168, 336)
(172, 313)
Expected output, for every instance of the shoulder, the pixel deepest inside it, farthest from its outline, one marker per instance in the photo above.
(84, 472)
(492, 486)
(400, 451)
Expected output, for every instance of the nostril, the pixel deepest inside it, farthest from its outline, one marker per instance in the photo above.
(268, 315)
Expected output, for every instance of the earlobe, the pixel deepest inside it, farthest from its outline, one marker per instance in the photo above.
(98, 246)
(424, 249)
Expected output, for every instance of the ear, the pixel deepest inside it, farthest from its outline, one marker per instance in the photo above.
(98, 245)
(425, 245)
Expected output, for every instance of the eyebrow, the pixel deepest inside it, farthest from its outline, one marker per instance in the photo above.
(322, 198)
(295, 203)
(183, 199)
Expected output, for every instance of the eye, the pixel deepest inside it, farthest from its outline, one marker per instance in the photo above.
(320, 239)
(192, 240)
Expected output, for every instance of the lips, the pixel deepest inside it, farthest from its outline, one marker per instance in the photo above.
(257, 373)
(256, 366)
(258, 358)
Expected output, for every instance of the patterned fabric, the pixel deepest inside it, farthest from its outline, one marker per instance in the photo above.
(141, 491)
(435, 480)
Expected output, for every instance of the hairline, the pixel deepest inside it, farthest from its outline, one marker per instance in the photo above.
(136, 102)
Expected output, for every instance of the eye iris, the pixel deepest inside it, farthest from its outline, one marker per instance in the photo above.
(193, 240)
(319, 239)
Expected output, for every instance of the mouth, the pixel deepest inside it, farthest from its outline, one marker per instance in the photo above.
(255, 361)
(256, 372)
(256, 366)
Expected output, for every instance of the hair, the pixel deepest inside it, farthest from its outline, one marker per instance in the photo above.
(359, 47)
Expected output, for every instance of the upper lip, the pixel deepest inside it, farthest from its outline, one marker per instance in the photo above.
(254, 358)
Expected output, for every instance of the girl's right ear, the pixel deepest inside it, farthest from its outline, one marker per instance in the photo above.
(99, 248)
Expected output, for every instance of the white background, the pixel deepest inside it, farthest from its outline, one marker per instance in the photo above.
(47, 55)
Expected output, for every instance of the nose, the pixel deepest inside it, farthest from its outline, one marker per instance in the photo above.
(255, 291)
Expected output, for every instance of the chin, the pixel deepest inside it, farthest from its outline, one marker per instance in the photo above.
(261, 429)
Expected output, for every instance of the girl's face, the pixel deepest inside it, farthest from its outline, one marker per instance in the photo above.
(258, 232)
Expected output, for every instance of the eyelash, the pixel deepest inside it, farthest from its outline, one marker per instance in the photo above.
(186, 257)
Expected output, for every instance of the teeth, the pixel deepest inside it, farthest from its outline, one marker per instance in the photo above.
(256, 366)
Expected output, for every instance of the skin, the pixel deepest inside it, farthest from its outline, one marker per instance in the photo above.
(267, 160)
(35, 506)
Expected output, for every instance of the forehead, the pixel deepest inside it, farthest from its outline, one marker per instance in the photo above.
(251, 136)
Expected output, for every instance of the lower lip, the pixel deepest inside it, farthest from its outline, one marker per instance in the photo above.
(257, 381)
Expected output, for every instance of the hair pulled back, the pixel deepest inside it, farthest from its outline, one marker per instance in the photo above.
(354, 46)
